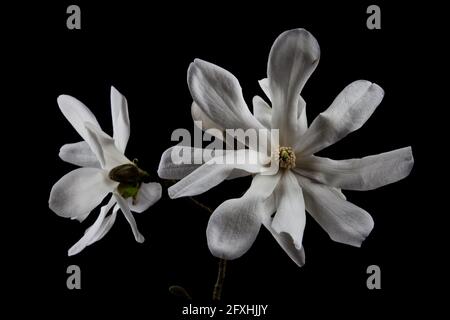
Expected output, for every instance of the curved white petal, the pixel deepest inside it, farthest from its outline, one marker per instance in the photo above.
(359, 174)
(234, 225)
(120, 119)
(262, 111)
(293, 58)
(103, 146)
(80, 154)
(268, 207)
(129, 216)
(342, 220)
(217, 170)
(187, 159)
(290, 216)
(92, 233)
(218, 94)
(79, 192)
(148, 194)
(348, 112)
(107, 224)
(76, 113)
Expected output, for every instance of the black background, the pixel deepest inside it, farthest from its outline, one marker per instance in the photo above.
(144, 51)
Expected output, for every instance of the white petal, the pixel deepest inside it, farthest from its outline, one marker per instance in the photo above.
(107, 223)
(342, 220)
(76, 113)
(302, 122)
(262, 111)
(268, 207)
(265, 86)
(219, 95)
(348, 112)
(198, 115)
(290, 216)
(120, 119)
(79, 192)
(293, 57)
(148, 194)
(215, 171)
(234, 225)
(80, 154)
(129, 216)
(359, 174)
(194, 159)
(104, 148)
(92, 233)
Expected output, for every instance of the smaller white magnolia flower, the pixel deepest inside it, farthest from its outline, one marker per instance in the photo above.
(105, 169)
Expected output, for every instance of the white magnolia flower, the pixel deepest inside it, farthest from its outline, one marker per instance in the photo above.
(305, 182)
(105, 169)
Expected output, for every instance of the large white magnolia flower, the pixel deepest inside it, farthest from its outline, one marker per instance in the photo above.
(305, 182)
(105, 169)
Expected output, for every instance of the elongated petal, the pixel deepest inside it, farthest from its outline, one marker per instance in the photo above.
(267, 208)
(342, 220)
(290, 216)
(215, 171)
(359, 174)
(148, 194)
(103, 146)
(120, 119)
(293, 58)
(80, 154)
(262, 111)
(107, 224)
(234, 225)
(348, 112)
(218, 94)
(76, 113)
(129, 216)
(80, 191)
(93, 232)
(179, 161)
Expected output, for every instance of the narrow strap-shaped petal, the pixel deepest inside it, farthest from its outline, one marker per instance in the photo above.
(77, 193)
(348, 112)
(218, 94)
(194, 158)
(290, 216)
(359, 174)
(268, 207)
(293, 58)
(342, 220)
(120, 119)
(93, 231)
(217, 170)
(107, 224)
(130, 218)
(79, 154)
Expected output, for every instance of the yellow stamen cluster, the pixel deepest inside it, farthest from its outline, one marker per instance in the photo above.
(286, 157)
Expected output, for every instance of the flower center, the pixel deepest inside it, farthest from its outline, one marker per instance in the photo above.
(286, 157)
(130, 178)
